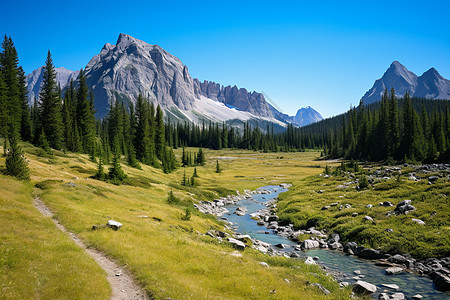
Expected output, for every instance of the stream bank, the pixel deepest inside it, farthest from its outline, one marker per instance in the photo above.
(251, 215)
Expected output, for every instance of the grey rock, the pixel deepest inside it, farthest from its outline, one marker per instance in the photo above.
(321, 288)
(368, 253)
(391, 286)
(418, 221)
(309, 244)
(383, 296)
(264, 264)
(364, 288)
(310, 261)
(393, 270)
(333, 238)
(114, 224)
(398, 296)
(441, 281)
(368, 218)
(236, 243)
(417, 297)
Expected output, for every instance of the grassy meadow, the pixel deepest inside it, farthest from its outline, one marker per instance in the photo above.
(302, 205)
(169, 256)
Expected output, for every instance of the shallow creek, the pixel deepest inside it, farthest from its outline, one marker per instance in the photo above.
(409, 283)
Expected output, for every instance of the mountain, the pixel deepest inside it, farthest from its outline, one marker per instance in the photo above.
(306, 115)
(34, 80)
(132, 67)
(240, 98)
(429, 85)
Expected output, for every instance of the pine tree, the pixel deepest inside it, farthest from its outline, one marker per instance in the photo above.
(43, 142)
(116, 174)
(100, 175)
(201, 157)
(218, 170)
(159, 133)
(85, 115)
(184, 180)
(25, 121)
(195, 173)
(11, 116)
(15, 162)
(50, 106)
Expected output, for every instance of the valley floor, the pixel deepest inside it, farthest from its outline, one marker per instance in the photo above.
(167, 255)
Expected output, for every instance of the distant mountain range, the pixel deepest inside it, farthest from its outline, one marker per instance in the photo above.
(430, 85)
(133, 67)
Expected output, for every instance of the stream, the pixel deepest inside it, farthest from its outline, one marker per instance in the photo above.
(409, 283)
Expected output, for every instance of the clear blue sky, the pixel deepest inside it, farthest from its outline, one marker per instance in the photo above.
(325, 54)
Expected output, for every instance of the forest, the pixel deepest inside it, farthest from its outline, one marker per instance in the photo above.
(393, 130)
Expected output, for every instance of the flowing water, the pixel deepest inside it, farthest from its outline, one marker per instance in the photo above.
(409, 283)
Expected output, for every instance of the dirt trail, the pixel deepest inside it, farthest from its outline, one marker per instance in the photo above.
(122, 283)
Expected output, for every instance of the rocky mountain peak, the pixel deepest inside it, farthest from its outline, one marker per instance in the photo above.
(430, 85)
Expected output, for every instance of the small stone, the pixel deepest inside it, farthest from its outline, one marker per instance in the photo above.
(310, 261)
(418, 221)
(391, 286)
(357, 272)
(264, 264)
(398, 296)
(393, 270)
(321, 287)
(417, 297)
(368, 218)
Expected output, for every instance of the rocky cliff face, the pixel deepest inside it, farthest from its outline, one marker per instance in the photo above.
(240, 98)
(133, 67)
(429, 85)
(34, 80)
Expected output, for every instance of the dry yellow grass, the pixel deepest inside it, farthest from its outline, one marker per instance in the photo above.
(173, 258)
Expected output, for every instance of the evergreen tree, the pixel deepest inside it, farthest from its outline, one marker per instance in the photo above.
(50, 106)
(184, 180)
(159, 133)
(15, 162)
(43, 142)
(195, 173)
(25, 121)
(201, 157)
(100, 175)
(218, 170)
(11, 115)
(116, 174)
(85, 115)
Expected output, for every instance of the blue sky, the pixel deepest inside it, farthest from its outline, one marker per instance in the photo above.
(325, 54)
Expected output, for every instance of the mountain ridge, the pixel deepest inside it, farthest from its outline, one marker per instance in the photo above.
(430, 84)
(132, 67)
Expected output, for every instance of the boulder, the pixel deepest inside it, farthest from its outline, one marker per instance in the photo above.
(335, 246)
(368, 253)
(333, 238)
(309, 244)
(114, 225)
(398, 296)
(282, 246)
(264, 264)
(383, 296)
(404, 207)
(310, 261)
(417, 297)
(441, 281)
(364, 288)
(398, 259)
(236, 243)
(393, 270)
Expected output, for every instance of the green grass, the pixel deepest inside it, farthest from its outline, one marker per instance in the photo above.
(37, 261)
(302, 207)
(169, 256)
